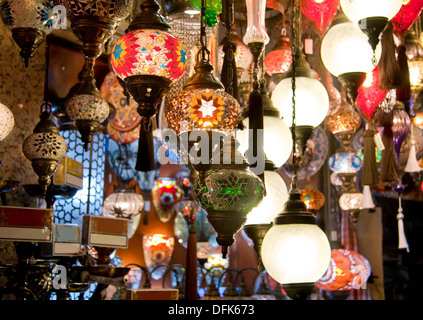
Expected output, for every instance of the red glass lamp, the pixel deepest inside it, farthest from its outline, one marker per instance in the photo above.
(279, 59)
(406, 17)
(148, 59)
(320, 12)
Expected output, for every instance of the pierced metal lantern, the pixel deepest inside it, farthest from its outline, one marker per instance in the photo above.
(228, 193)
(30, 21)
(45, 148)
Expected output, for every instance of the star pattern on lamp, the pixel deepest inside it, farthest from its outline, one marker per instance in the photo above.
(207, 108)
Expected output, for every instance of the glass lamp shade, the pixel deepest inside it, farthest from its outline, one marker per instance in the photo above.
(158, 250)
(401, 124)
(345, 49)
(124, 204)
(36, 14)
(347, 270)
(295, 253)
(418, 120)
(213, 9)
(229, 190)
(275, 129)
(351, 201)
(165, 195)
(312, 198)
(274, 201)
(369, 95)
(311, 105)
(361, 9)
(149, 52)
(203, 109)
(415, 68)
(344, 119)
(256, 29)
(345, 162)
(216, 260)
(335, 180)
(279, 59)
(186, 208)
(116, 9)
(320, 12)
(87, 107)
(7, 121)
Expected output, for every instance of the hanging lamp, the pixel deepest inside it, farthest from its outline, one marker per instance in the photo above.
(93, 24)
(30, 21)
(228, 192)
(148, 59)
(203, 109)
(45, 147)
(347, 55)
(295, 251)
(7, 121)
(371, 16)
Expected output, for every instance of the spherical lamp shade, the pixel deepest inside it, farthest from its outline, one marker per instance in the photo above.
(345, 162)
(345, 49)
(401, 124)
(347, 270)
(30, 21)
(311, 105)
(149, 52)
(87, 107)
(275, 129)
(123, 204)
(274, 201)
(295, 253)
(361, 9)
(7, 121)
(415, 68)
(203, 109)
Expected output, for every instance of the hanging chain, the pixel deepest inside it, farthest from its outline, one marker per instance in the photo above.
(45, 106)
(203, 37)
(293, 84)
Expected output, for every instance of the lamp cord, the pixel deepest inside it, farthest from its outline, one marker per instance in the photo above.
(45, 106)
(293, 83)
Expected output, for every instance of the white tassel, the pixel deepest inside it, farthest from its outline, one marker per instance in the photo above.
(412, 163)
(402, 241)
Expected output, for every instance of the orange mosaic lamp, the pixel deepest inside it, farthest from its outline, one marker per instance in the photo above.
(313, 199)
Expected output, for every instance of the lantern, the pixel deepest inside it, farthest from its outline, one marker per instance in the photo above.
(400, 127)
(406, 16)
(158, 250)
(123, 204)
(228, 192)
(348, 270)
(30, 21)
(213, 9)
(312, 198)
(148, 59)
(279, 59)
(165, 195)
(320, 12)
(347, 55)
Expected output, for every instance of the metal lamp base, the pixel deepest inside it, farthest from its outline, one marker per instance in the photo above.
(299, 291)
(28, 40)
(373, 28)
(351, 81)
